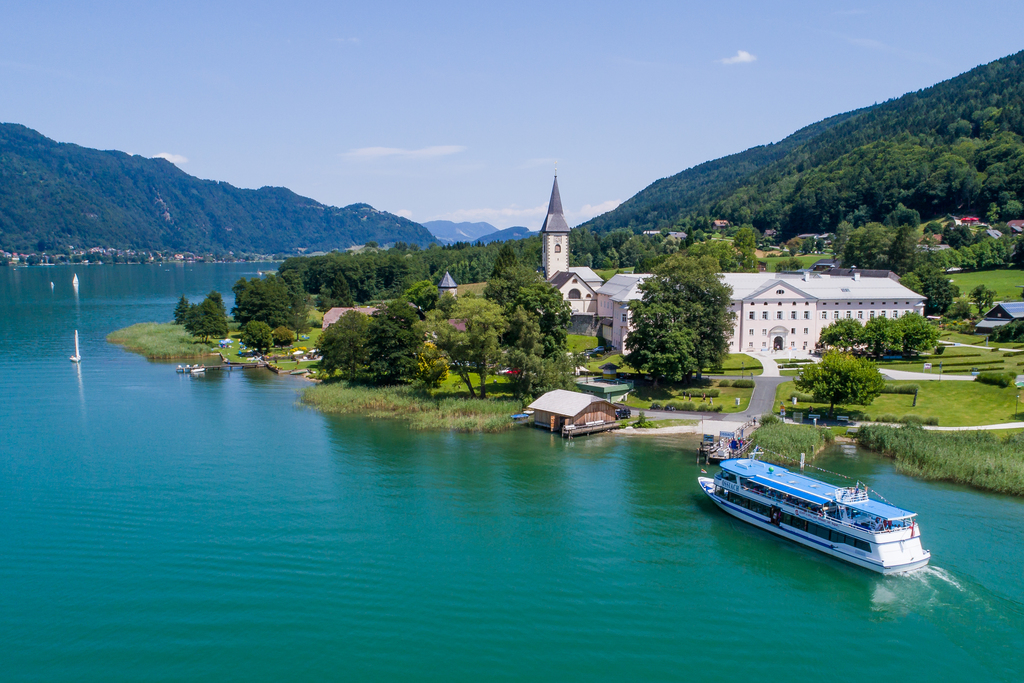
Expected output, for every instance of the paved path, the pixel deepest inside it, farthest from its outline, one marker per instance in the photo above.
(934, 377)
(973, 428)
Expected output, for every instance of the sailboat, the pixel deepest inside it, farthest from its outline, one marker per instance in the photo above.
(51, 285)
(77, 358)
(74, 282)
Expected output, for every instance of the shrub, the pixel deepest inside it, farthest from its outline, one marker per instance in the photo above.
(283, 336)
(912, 420)
(940, 349)
(743, 383)
(999, 379)
(900, 389)
(886, 417)
(717, 408)
(801, 397)
(725, 383)
(688, 405)
(769, 419)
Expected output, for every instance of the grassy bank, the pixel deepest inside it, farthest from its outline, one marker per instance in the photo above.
(976, 458)
(789, 441)
(160, 341)
(950, 404)
(419, 409)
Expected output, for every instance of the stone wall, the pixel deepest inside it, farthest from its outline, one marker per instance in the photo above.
(585, 324)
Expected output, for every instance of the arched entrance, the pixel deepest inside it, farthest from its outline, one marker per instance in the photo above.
(778, 337)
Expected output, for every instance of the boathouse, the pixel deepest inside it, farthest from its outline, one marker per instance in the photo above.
(559, 409)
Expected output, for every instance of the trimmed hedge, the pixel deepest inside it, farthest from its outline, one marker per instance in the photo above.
(900, 389)
(724, 383)
(999, 379)
(743, 383)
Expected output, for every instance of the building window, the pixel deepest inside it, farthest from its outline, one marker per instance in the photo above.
(792, 315)
(860, 315)
(847, 315)
(751, 333)
(824, 315)
(793, 331)
(835, 315)
(895, 314)
(764, 333)
(764, 315)
(750, 345)
(805, 346)
(625, 317)
(881, 314)
(574, 294)
(780, 291)
(807, 315)
(751, 315)
(872, 315)
(779, 315)
(558, 248)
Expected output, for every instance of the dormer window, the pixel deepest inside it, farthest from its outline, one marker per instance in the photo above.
(780, 291)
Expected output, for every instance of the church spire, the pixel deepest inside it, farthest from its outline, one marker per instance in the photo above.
(555, 221)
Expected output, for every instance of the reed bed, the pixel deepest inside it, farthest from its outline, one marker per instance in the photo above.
(976, 458)
(789, 441)
(419, 409)
(159, 341)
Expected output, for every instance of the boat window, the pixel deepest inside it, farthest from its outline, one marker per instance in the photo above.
(729, 476)
(863, 545)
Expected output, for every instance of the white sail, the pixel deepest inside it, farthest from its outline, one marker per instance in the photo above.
(77, 357)
(74, 281)
(51, 286)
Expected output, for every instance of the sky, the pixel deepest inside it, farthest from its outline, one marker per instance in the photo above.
(461, 111)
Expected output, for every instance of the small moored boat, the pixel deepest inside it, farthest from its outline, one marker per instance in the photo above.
(842, 522)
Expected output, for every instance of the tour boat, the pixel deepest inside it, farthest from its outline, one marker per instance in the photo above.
(842, 522)
(77, 358)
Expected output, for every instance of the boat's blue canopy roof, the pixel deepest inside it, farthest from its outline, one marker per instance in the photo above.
(879, 509)
(806, 488)
(793, 489)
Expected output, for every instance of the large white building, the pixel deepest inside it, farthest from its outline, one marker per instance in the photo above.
(777, 311)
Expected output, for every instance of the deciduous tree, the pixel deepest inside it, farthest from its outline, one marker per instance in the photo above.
(257, 336)
(841, 378)
(393, 343)
(343, 345)
(845, 334)
(471, 339)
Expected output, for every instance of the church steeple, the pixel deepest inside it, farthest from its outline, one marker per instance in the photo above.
(555, 220)
(555, 236)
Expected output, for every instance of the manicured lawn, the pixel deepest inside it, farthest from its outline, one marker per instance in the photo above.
(737, 363)
(231, 352)
(608, 273)
(962, 338)
(805, 260)
(594, 365)
(658, 424)
(642, 396)
(579, 342)
(955, 404)
(958, 360)
(1004, 281)
(497, 386)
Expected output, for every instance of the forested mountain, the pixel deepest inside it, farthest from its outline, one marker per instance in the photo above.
(954, 147)
(450, 232)
(517, 232)
(54, 195)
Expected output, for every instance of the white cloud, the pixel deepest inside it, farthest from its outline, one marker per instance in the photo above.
(404, 213)
(371, 153)
(173, 158)
(588, 211)
(741, 57)
(531, 217)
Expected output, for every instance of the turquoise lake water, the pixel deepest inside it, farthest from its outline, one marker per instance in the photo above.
(157, 527)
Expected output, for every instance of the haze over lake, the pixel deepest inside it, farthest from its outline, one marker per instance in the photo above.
(155, 526)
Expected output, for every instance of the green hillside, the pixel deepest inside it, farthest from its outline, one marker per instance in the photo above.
(954, 147)
(53, 195)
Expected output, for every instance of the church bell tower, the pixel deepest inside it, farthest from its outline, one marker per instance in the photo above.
(555, 237)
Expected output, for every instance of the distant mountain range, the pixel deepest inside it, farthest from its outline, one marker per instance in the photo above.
(957, 146)
(54, 195)
(450, 232)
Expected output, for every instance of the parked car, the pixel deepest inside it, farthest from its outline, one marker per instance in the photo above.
(623, 413)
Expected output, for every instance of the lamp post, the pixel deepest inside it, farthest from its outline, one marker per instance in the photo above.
(1016, 408)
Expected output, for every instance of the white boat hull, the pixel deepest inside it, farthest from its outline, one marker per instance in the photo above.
(852, 556)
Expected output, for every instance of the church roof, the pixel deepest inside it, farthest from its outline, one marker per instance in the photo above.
(555, 221)
(447, 282)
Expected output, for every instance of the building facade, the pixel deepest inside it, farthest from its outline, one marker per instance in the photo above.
(776, 311)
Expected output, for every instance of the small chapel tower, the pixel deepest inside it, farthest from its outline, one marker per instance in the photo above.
(555, 237)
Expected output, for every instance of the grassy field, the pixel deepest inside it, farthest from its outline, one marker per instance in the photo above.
(419, 409)
(806, 260)
(642, 396)
(979, 459)
(594, 365)
(579, 342)
(1005, 282)
(608, 273)
(953, 404)
(661, 424)
(962, 338)
(737, 363)
(959, 360)
(161, 341)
